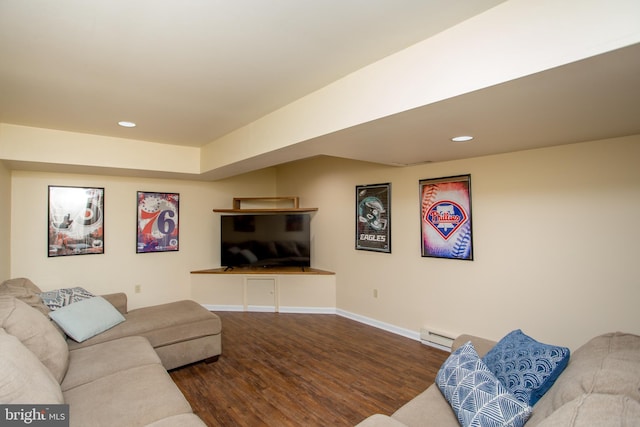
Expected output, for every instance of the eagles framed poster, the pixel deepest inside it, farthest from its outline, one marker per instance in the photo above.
(158, 222)
(445, 217)
(373, 217)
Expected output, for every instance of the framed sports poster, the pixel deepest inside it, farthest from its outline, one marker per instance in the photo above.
(373, 217)
(76, 221)
(445, 217)
(158, 222)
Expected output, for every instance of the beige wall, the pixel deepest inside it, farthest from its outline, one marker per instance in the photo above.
(30, 144)
(555, 243)
(5, 221)
(162, 276)
(555, 240)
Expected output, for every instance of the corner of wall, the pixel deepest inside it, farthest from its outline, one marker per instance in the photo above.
(5, 222)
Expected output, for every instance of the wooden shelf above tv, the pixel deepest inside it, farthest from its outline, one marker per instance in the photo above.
(237, 205)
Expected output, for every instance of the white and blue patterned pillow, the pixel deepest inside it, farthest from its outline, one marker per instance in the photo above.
(476, 396)
(62, 297)
(525, 366)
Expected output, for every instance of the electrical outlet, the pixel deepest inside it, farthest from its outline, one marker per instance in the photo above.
(375, 293)
(138, 289)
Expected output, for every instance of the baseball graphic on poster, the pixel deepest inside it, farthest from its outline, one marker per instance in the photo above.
(446, 219)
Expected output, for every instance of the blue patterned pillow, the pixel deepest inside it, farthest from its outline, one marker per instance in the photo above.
(61, 297)
(477, 397)
(525, 366)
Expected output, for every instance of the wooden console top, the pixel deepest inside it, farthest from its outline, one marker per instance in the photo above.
(259, 270)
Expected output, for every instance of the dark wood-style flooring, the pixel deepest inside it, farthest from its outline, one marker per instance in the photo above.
(305, 370)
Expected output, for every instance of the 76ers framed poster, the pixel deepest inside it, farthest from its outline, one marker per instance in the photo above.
(373, 217)
(158, 222)
(445, 217)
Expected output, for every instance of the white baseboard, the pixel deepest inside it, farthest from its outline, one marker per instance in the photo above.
(211, 307)
(407, 333)
(414, 335)
(308, 310)
(268, 309)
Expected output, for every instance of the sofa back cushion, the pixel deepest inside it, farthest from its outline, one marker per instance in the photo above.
(607, 364)
(37, 333)
(23, 378)
(26, 291)
(595, 409)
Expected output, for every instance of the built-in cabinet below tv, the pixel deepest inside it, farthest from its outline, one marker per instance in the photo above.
(276, 289)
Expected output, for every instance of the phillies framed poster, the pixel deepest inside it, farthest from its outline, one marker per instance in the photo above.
(373, 217)
(445, 217)
(158, 222)
(76, 221)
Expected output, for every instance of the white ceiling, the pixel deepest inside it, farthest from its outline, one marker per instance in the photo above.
(592, 99)
(191, 71)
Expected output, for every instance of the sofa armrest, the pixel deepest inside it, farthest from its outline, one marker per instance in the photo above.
(482, 345)
(118, 300)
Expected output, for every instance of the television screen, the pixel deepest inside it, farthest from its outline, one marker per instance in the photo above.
(270, 240)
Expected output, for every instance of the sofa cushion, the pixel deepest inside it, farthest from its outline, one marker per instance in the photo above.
(145, 394)
(37, 333)
(595, 410)
(163, 324)
(477, 397)
(182, 420)
(87, 318)
(428, 405)
(190, 351)
(90, 363)
(380, 420)
(60, 297)
(607, 364)
(118, 300)
(528, 368)
(26, 291)
(23, 378)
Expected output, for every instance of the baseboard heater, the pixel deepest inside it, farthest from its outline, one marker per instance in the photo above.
(437, 339)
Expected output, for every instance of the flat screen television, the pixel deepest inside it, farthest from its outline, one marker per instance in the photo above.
(265, 240)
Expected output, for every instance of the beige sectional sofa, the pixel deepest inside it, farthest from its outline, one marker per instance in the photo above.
(118, 377)
(599, 387)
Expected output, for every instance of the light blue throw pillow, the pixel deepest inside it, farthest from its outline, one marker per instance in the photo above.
(476, 396)
(87, 318)
(525, 366)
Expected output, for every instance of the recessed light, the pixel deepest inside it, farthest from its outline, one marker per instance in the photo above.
(462, 138)
(126, 124)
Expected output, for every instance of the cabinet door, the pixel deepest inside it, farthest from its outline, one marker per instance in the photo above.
(260, 294)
